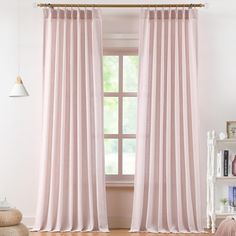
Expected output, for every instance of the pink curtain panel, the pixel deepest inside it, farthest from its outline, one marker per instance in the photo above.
(72, 188)
(167, 195)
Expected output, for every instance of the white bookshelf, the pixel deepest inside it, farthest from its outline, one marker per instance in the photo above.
(217, 186)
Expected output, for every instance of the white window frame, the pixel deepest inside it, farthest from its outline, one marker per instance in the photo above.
(120, 52)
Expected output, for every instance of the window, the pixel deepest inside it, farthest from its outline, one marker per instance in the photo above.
(120, 81)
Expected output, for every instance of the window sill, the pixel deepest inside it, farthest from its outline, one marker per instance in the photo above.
(119, 184)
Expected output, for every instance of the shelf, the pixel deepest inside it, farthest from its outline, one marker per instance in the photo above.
(227, 140)
(226, 178)
(224, 214)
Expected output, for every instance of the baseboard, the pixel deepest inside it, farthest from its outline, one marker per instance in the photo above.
(28, 221)
(114, 222)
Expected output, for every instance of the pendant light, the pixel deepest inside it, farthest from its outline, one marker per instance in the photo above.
(18, 89)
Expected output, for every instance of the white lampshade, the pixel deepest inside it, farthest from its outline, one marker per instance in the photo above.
(18, 89)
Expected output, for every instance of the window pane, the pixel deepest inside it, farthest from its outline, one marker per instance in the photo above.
(111, 156)
(110, 115)
(129, 115)
(130, 73)
(110, 73)
(129, 146)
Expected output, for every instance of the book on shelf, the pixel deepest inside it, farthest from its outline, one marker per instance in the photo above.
(224, 163)
(231, 195)
(232, 198)
(219, 164)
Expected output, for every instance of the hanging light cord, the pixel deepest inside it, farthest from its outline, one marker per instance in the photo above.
(18, 36)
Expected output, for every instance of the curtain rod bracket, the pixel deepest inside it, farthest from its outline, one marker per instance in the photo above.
(50, 5)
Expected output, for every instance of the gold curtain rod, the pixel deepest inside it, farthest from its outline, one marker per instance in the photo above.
(120, 5)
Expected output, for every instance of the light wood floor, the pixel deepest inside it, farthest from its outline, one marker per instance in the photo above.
(113, 233)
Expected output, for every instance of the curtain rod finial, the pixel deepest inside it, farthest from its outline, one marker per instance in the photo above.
(50, 5)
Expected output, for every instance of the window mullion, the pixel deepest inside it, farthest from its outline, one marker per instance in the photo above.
(120, 125)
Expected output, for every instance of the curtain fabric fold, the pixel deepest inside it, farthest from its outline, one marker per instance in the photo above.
(167, 182)
(72, 189)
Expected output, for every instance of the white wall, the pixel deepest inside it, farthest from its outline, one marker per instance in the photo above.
(20, 118)
(217, 71)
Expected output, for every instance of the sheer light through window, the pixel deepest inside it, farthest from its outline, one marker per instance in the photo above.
(120, 81)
